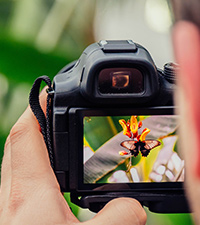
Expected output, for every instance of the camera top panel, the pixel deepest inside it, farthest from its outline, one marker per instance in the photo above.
(112, 72)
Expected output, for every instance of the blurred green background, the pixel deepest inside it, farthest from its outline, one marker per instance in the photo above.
(39, 37)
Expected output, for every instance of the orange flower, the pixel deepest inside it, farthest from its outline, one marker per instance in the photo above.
(138, 143)
(123, 153)
(126, 127)
(130, 128)
(134, 126)
(144, 134)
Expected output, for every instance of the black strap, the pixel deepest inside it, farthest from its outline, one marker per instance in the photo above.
(43, 120)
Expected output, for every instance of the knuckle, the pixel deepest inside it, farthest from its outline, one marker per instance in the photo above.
(1, 207)
(17, 131)
(136, 211)
(7, 143)
(16, 198)
(10, 205)
(6, 158)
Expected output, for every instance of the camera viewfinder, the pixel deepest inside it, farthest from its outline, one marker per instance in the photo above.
(120, 80)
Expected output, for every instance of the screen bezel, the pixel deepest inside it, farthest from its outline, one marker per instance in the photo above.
(78, 168)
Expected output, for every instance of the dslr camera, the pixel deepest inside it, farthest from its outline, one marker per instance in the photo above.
(114, 131)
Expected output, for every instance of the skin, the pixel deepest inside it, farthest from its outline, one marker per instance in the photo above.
(30, 193)
(186, 40)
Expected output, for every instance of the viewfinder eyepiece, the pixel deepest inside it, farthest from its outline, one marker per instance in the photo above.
(120, 80)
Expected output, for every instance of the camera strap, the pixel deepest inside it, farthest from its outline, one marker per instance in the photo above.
(44, 121)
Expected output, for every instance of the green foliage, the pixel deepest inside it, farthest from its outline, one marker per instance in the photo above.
(169, 219)
(73, 207)
(98, 131)
(37, 37)
(23, 63)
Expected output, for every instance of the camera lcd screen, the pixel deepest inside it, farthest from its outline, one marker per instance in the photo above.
(131, 149)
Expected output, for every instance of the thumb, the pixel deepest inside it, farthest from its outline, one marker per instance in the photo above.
(121, 211)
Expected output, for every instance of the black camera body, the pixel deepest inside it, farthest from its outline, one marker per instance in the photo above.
(113, 81)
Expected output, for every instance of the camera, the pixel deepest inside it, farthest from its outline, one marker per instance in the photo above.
(114, 130)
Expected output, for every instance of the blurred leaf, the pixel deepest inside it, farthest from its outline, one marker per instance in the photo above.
(116, 119)
(148, 162)
(169, 219)
(160, 126)
(21, 62)
(97, 130)
(158, 156)
(105, 178)
(73, 207)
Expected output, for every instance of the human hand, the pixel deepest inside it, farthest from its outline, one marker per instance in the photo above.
(30, 193)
